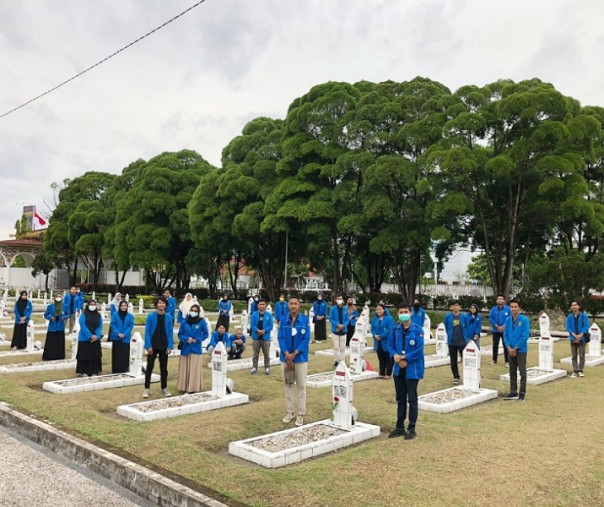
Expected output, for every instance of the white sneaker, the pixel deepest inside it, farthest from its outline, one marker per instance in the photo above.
(299, 420)
(581, 374)
(253, 371)
(573, 375)
(166, 393)
(288, 418)
(267, 371)
(145, 393)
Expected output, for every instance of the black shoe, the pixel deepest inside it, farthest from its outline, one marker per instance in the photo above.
(238, 356)
(410, 435)
(521, 397)
(335, 365)
(397, 432)
(511, 396)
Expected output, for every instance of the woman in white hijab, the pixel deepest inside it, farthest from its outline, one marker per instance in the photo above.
(185, 307)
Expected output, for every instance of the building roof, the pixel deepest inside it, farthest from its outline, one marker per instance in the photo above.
(21, 243)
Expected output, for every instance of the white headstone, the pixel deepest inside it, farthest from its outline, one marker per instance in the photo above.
(39, 294)
(442, 347)
(74, 343)
(244, 320)
(195, 299)
(104, 310)
(46, 298)
(131, 308)
(269, 309)
(471, 367)
(311, 319)
(427, 326)
(342, 396)
(31, 294)
(94, 295)
(128, 297)
(219, 370)
(546, 352)
(356, 352)
(30, 336)
(141, 306)
(137, 346)
(543, 323)
(595, 344)
(109, 298)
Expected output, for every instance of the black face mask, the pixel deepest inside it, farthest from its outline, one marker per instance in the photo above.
(416, 306)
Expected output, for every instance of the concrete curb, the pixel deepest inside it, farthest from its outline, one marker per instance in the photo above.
(142, 481)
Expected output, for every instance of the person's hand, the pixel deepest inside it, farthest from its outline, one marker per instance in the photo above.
(122, 335)
(169, 351)
(500, 329)
(403, 363)
(191, 340)
(150, 351)
(93, 338)
(377, 337)
(22, 320)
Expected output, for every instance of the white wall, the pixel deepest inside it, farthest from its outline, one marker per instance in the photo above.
(20, 278)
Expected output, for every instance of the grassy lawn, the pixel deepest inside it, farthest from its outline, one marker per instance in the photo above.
(544, 452)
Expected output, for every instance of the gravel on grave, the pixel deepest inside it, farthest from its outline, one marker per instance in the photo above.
(448, 396)
(301, 436)
(92, 380)
(320, 377)
(178, 401)
(37, 363)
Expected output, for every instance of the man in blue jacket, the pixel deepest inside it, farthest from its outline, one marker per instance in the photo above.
(406, 347)
(577, 325)
(159, 342)
(418, 315)
(219, 335)
(497, 317)
(516, 333)
(280, 309)
(261, 325)
(455, 325)
(170, 304)
(237, 344)
(294, 340)
(338, 319)
(72, 306)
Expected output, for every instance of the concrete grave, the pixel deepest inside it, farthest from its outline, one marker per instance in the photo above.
(135, 376)
(441, 358)
(428, 340)
(32, 347)
(191, 403)
(310, 440)
(456, 398)
(593, 350)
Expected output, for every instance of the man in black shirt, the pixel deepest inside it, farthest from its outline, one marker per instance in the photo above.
(159, 342)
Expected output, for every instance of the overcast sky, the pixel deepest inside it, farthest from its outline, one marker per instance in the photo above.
(195, 83)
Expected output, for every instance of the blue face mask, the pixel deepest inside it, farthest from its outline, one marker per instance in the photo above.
(404, 317)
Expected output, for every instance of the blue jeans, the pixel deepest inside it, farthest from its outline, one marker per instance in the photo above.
(406, 392)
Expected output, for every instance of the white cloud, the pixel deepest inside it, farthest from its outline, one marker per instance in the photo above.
(195, 83)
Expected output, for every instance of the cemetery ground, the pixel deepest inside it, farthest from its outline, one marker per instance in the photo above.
(546, 451)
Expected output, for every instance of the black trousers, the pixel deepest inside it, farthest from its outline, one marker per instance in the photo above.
(496, 338)
(163, 368)
(453, 350)
(406, 392)
(518, 363)
(225, 320)
(349, 334)
(385, 361)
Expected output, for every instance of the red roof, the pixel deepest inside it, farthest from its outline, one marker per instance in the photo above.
(22, 243)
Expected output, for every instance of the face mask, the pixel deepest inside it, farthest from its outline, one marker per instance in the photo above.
(92, 308)
(320, 298)
(193, 314)
(416, 306)
(339, 302)
(282, 299)
(404, 317)
(58, 300)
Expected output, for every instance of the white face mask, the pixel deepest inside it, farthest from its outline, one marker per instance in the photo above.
(339, 302)
(92, 308)
(193, 314)
(58, 300)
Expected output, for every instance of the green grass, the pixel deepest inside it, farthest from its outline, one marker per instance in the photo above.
(545, 452)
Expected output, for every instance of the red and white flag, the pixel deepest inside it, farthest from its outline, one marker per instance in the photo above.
(40, 220)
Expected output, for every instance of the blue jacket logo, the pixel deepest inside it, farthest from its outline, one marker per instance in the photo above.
(412, 342)
(303, 331)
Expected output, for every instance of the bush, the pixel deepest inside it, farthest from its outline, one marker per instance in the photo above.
(466, 301)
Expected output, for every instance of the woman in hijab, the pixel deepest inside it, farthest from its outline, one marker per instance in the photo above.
(23, 309)
(185, 307)
(89, 341)
(192, 332)
(353, 315)
(122, 324)
(54, 346)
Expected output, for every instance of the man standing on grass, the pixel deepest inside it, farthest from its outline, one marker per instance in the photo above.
(406, 347)
(497, 317)
(294, 340)
(577, 325)
(516, 332)
(455, 325)
(262, 325)
(159, 342)
(71, 306)
(338, 318)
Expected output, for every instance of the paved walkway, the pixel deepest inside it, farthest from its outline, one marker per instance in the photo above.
(32, 476)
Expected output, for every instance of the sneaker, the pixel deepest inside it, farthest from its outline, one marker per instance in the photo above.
(166, 393)
(455, 381)
(397, 432)
(511, 396)
(410, 435)
(253, 371)
(507, 365)
(521, 397)
(573, 375)
(145, 393)
(267, 371)
(335, 365)
(299, 420)
(288, 418)
(493, 362)
(581, 374)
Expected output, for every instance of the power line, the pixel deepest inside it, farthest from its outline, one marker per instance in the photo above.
(103, 60)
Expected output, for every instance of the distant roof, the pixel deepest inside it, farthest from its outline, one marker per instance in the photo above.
(22, 243)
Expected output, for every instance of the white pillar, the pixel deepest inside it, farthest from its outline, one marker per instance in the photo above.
(137, 346)
(595, 344)
(104, 310)
(342, 392)
(109, 298)
(30, 336)
(356, 353)
(543, 323)
(546, 352)
(141, 306)
(131, 308)
(442, 347)
(471, 367)
(244, 319)
(427, 327)
(219, 370)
